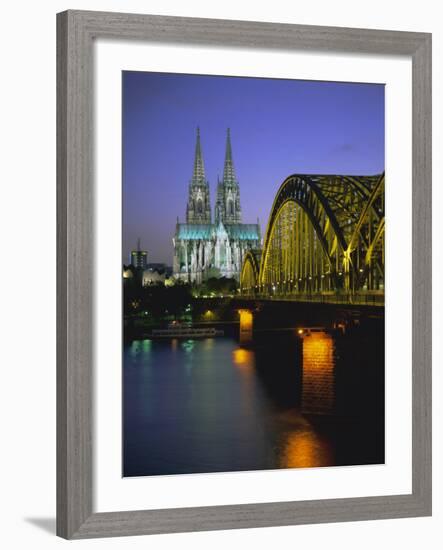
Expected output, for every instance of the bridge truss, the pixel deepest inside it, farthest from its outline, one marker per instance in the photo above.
(325, 236)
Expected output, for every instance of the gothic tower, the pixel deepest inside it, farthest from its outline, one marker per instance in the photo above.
(198, 209)
(227, 207)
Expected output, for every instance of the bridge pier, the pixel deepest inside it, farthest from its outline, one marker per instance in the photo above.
(246, 326)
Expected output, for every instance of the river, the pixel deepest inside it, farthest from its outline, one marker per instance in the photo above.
(210, 405)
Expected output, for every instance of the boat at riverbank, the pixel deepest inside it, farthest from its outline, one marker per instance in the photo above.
(176, 330)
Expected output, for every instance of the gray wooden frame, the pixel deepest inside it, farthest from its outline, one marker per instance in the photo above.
(76, 31)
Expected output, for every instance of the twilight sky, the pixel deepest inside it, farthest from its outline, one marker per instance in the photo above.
(278, 128)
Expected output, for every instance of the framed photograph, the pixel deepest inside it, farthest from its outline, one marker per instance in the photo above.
(244, 274)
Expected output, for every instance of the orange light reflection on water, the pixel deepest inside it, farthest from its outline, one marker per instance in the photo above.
(305, 449)
(318, 378)
(244, 359)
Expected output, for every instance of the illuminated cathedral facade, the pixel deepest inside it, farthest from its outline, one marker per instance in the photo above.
(204, 248)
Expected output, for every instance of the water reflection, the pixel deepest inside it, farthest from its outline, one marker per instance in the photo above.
(146, 346)
(318, 379)
(188, 345)
(306, 449)
(244, 359)
(140, 347)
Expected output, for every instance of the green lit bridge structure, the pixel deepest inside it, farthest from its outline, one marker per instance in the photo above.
(324, 242)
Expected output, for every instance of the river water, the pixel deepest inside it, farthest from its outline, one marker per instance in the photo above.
(210, 405)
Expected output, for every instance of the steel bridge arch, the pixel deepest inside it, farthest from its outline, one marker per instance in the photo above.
(338, 208)
(304, 191)
(250, 272)
(367, 235)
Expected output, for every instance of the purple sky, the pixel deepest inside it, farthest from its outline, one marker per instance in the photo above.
(278, 128)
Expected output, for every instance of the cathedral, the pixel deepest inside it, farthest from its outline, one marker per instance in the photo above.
(205, 249)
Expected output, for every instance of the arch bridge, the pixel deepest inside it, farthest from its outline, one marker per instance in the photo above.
(324, 242)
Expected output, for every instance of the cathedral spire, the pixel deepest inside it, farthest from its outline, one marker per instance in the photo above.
(227, 208)
(228, 171)
(198, 209)
(198, 176)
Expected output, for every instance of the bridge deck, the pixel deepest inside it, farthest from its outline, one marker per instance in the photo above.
(362, 299)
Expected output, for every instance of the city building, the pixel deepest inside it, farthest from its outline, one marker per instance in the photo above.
(153, 277)
(138, 258)
(128, 272)
(156, 273)
(205, 249)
